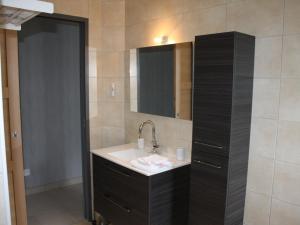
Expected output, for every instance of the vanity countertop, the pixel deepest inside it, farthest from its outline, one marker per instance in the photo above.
(106, 153)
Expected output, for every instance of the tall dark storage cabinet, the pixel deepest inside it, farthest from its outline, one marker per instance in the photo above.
(223, 83)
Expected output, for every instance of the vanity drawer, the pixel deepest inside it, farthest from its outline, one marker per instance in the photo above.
(125, 197)
(125, 184)
(208, 188)
(117, 212)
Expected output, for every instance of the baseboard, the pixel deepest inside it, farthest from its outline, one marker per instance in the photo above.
(48, 187)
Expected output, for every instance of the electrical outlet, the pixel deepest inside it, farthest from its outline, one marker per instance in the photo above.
(27, 172)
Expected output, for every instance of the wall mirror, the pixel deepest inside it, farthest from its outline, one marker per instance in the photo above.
(161, 80)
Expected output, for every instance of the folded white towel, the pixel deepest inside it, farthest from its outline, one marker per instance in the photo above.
(153, 163)
(154, 159)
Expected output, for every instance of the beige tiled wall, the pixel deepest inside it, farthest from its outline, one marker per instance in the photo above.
(274, 166)
(106, 65)
(111, 58)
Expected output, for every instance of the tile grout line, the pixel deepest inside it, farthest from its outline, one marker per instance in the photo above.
(274, 119)
(287, 202)
(278, 116)
(278, 199)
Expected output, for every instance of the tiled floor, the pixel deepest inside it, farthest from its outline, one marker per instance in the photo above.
(63, 206)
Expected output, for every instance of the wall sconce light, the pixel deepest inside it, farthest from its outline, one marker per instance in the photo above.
(163, 40)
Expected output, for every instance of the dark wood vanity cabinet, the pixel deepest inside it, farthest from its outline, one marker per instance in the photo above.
(223, 83)
(125, 197)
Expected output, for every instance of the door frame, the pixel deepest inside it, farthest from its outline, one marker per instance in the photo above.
(14, 151)
(4, 179)
(84, 107)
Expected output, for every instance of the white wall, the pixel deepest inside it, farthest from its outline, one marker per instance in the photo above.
(4, 194)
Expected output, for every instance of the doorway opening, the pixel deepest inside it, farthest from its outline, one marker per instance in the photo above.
(52, 59)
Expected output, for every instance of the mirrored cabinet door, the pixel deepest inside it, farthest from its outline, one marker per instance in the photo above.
(161, 80)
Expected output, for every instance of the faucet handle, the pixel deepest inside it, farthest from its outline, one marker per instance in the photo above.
(155, 146)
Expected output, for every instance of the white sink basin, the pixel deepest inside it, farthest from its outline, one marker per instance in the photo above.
(130, 154)
(123, 154)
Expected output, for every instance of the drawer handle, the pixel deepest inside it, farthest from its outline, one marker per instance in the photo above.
(216, 166)
(118, 172)
(208, 145)
(108, 197)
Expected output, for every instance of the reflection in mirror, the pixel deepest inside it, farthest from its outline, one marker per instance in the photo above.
(161, 80)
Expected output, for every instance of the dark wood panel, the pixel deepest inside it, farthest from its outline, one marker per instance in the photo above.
(123, 183)
(213, 88)
(117, 212)
(126, 197)
(240, 127)
(208, 188)
(223, 82)
(203, 146)
(169, 197)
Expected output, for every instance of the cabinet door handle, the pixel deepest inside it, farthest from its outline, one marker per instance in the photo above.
(216, 166)
(118, 172)
(208, 145)
(108, 197)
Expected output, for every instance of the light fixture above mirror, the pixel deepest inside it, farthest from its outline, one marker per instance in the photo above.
(163, 40)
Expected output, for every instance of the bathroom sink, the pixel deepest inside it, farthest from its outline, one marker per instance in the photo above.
(123, 154)
(129, 154)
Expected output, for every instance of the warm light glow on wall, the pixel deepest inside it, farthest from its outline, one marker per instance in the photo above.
(158, 40)
(163, 40)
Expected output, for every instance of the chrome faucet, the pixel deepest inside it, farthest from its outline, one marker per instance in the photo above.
(154, 141)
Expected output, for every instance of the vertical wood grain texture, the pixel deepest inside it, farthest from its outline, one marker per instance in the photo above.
(15, 126)
(7, 126)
